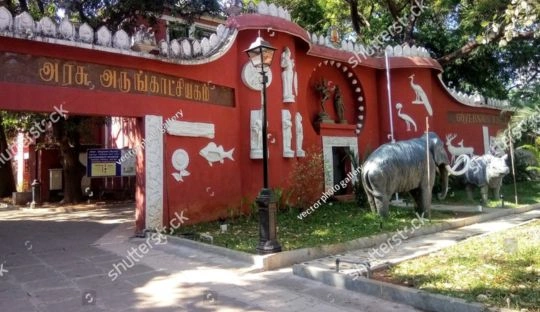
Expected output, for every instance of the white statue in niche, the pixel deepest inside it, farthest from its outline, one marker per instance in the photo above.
(286, 124)
(256, 134)
(299, 135)
(288, 77)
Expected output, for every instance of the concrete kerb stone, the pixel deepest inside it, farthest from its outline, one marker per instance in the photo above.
(288, 258)
(232, 254)
(416, 298)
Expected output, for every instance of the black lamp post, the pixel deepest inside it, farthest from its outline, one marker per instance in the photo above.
(261, 54)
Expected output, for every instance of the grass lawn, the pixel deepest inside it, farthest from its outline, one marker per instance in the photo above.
(329, 224)
(341, 222)
(528, 193)
(501, 269)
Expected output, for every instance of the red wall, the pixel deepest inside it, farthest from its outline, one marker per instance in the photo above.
(209, 191)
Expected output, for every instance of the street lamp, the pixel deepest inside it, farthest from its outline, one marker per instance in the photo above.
(261, 54)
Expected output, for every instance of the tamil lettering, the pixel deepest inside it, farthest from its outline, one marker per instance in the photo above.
(57, 72)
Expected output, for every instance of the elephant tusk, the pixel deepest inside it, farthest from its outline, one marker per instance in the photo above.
(462, 159)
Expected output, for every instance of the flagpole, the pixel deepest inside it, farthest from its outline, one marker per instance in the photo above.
(427, 162)
(388, 88)
(513, 168)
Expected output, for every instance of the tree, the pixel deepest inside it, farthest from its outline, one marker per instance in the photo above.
(7, 181)
(484, 45)
(11, 123)
(115, 14)
(525, 121)
(67, 135)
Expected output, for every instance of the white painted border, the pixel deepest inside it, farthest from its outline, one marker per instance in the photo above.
(153, 156)
(329, 142)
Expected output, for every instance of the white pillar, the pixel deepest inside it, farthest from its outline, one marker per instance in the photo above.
(153, 156)
(485, 132)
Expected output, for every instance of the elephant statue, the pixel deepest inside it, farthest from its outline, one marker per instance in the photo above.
(487, 172)
(402, 167)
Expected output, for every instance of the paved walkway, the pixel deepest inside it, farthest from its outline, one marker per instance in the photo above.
(399, 248)
(57, 261)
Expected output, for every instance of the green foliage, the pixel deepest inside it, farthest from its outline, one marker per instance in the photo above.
(282, 197)
(527, 192)
(358, 189)
(525, 121)
(117, 14)
(490, 46)
(526, 164)
(332, 223)
(318, 15)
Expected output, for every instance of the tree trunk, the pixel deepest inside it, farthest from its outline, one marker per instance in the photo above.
(73, 171)
(7, 181)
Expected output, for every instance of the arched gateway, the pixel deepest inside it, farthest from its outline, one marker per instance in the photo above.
(197, 102)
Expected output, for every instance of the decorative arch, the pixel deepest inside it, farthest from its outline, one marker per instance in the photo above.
(355, 87)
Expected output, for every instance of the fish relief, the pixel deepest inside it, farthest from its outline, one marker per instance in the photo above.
(214, 153)
(180, 161)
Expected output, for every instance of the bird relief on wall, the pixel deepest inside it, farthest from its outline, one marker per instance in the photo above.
(286, 124)
(213, 153)
(421, 96)
(180, 161)
(289, 77)
(408, 119)
(456, 150)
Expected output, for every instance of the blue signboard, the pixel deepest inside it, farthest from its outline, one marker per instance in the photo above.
(108, 162)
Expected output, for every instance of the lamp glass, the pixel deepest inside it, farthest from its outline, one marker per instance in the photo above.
(260, 47)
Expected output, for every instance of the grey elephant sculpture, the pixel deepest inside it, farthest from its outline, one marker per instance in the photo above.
(487, 172)
(401, 167)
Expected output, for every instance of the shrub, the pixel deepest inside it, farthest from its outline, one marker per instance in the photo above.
(358, 188)
(526, 164)
(307, 179)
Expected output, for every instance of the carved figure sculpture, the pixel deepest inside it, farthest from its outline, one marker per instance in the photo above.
(408, 119)
(288, 76)
(455, 151)
(256, 134)
(339, 106)
(299, 135)
(402, 167)
(421, 97)
(287, 133)
(256, 128)
(486, 172)
(324, 88)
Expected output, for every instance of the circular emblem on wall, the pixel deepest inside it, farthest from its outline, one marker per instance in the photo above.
(180, 159)
(252, 78)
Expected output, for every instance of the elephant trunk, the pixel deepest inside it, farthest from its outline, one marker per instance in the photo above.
(446, 170)
(444, 182)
